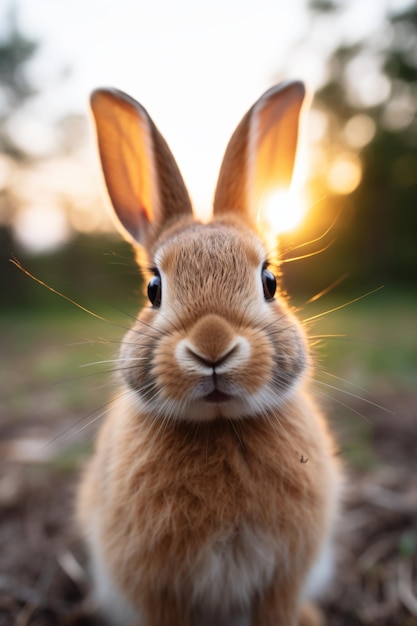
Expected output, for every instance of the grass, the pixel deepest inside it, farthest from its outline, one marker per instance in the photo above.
(366, 359)
(45, 361)
(371, 339)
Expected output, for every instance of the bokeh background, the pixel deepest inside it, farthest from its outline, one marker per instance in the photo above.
(349, 262)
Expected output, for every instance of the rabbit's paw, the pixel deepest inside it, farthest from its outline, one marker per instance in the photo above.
(311, 616)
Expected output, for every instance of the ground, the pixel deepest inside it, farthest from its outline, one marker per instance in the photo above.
(43, 445)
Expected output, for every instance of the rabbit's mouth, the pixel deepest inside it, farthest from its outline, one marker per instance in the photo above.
(216, 389)
(217, 397)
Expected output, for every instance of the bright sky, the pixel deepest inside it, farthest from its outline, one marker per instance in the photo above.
(196, 67)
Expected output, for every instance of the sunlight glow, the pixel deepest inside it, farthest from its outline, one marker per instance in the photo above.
(359, 130)
(85, 219)
(345, 174)
(41, 228)
(6, 169)
(281, 211)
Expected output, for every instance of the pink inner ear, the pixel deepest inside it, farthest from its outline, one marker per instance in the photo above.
(135, 223)
(274, 142)
(276, 152)
(144, 183)
(261, 153)
(126, 152)
(125, 145)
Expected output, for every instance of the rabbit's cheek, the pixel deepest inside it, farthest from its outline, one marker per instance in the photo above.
(136, 354)
(257, 371)
(290, 358)
(170, 380)
(297, 359)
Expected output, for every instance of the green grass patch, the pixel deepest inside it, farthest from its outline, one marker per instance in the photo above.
(45, 367)
(371, 339)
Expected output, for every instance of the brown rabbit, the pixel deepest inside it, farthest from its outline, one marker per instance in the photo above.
(213, 490)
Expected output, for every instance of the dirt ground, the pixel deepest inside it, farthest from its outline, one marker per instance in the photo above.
(43, 580)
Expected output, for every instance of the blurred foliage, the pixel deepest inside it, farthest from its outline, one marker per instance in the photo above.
(98, 273)
(16, 88)
(376, 225)
(368, 234)
(39, 158)
(16, 50)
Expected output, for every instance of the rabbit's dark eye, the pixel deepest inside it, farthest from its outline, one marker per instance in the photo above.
(154, 290)
(269, 283)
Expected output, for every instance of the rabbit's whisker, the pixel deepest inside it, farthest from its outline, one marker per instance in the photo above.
(325, 291)
(343, 380)
(140, 321)
(332, 398)
(64, 296)
(104, 408)
(342, 306)
(124, 360)
(310, 254)
(320, 237)
(330, 336)
(354, 395)
(271, 324)
(55, 291)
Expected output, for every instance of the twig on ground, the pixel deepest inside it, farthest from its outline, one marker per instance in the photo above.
(389, 499)
(377, 550)
(19, 592)
(405, 589)
(72, 569)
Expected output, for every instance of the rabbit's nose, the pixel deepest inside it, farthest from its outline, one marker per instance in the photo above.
(207, 362)
(211, 338)
(212, 345)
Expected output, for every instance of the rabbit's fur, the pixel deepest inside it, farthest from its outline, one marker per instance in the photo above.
(213, 489)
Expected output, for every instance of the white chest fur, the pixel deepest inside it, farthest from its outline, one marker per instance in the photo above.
(233, 567)
(224, 574)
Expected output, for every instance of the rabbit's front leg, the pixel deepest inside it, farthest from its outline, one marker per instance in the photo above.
(165, 609)
(311, 616)
(277, 605)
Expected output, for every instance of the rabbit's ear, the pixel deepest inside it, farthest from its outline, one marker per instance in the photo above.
(261, 153)
(142, 178)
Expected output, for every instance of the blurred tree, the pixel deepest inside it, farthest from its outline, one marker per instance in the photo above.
(37, 185)
(43, 159)
(369, 100)
(15, 87)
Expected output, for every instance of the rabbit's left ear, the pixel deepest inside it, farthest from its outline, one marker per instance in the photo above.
(143, 180)
(261, 153)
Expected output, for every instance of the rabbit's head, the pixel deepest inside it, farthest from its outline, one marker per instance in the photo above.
(217, 340)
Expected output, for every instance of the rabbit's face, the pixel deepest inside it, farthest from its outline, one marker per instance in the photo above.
(218, 344)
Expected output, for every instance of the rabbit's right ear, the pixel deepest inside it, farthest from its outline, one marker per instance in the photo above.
(142, 178)
(260, 156)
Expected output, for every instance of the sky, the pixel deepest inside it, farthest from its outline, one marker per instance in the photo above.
(196, 67)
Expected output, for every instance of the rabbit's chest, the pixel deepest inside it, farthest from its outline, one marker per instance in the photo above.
(233, 566)
(219, 520)
(212, 527)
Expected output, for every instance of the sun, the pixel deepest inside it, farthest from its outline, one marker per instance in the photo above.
(281, 211)
(283, 208)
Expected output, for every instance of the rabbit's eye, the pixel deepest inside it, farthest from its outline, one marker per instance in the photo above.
(269, 283)
(154, 290)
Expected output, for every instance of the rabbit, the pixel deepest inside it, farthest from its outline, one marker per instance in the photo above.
(213, 492)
